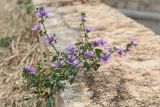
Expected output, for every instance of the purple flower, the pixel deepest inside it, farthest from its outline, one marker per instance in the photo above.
(90, 29)
(42, 12)
(133, 41)
(50, 39)
(108, 49)
(95, 43)
(88, 53)
(83, 19)
(58, 64)
(105, 57)
(30, 69)
(71, 58)
(73, 61)
(120, 52)
(102, 42)
(71, 49)
(36, 27)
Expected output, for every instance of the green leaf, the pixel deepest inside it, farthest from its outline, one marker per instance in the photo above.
(42, 21)
(98, 51)
(86, 65)
(82, 47)
(39, 66)
(72, 72)
(83, 14)
(79, 43)
(5, 41)
(54, 58)
(63, 55)
(71, 81)
(89, 46)
(96, 66)
(50, 102)
(52, 82)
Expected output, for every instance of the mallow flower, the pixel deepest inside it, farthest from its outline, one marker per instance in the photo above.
(88, 53)
(71, 49)
(95, 43)
(72, 61)
(108, 49)
(58, 64)
(120, 52)
(90, 29)
(100, 42)
(50, 39)
(105, 57)
(133, 41)
(30, 69)
(83, 19)
(42, 12)
(36, 26)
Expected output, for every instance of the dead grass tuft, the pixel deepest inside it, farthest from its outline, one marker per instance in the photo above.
(16, 22)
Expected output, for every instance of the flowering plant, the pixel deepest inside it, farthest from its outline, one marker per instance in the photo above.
(65, 65)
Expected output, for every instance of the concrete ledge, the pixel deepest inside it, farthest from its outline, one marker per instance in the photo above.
(141, 14)
(130, 81)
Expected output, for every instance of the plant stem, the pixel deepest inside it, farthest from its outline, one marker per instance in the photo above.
(45, 31)
(85, 33)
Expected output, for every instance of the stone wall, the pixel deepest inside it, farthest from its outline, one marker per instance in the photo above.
(142, 5)
(129, 82)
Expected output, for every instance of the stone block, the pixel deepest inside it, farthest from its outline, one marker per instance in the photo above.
(133, 5)
(116, 29)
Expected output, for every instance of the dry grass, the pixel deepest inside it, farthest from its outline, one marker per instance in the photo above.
(16, 22)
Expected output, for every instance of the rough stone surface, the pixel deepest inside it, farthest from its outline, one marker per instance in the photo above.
(132, 81)
(141, 5)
